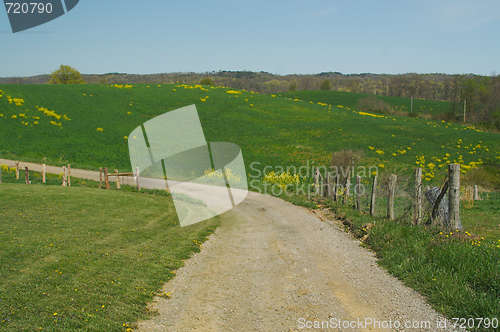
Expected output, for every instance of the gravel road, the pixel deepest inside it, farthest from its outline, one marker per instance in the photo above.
(273, 266)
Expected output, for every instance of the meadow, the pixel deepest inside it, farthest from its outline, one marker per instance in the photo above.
(87, 126)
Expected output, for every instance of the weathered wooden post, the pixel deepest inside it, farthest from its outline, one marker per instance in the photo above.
(476, 193)
(417, 204)
(17, 170)
(69, 175)
(347, 192)
(336, 187)
(137, 178)
(358, 192)
(100, 177)
(26, 175)
(106, 178)
(328, 184)
(392, 193)
(117, 179)
(454, 195)
(316, 181)
(64, 176)
(0, 173)
(43, 174)
(372, 201)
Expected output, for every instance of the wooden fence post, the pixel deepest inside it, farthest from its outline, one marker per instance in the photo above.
(347, 186)
(69, 175)
(454, 195)
(372, 201)
(137, 177)
(392, 193)
(17, 170)
(476, 193)
(64, 176)
(316, 181)
(106, 179)
(117, 180)
(358, 192)
(26, 175)
(0, 173)
(100, 177)
(417, 204)
(335, 188)
(329, 184)
(43, 174)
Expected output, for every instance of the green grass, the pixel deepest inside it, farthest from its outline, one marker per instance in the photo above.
(483, 216)
(350, 99)
(458, 273)
(83, 259)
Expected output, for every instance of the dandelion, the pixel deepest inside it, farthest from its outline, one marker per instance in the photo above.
(100, 129)
(379, 152)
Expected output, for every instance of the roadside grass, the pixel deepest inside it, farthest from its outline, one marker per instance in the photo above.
(82, 259)
(458, 272)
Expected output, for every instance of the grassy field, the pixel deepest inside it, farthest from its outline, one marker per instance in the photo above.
(87, 126)
(85, 259)
(350, 99)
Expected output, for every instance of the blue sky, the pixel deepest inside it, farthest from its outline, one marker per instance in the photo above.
(281, 37)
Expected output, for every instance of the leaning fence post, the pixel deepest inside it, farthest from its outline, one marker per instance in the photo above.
(417, 204)
(106, 179)
(137, 178)
(392, 193)
(454, 195)
(100, 177)
(372, 201)
(17, 170)
(358, 192)
(347, 192)
(117, 179)
(26, 174)
(476, 193)
(43, 174)
(69, 175)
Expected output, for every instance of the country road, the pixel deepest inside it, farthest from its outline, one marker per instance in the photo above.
(274, 266)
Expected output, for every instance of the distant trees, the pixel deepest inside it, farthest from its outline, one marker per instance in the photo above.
(206, 81)
(326, 84)
(293, 86)
(66, 75)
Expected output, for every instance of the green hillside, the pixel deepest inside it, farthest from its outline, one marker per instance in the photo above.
(87, 126)
(350, 99)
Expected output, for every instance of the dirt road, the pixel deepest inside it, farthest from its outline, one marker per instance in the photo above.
(273, 266)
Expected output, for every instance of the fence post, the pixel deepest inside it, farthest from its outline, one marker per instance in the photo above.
(476, 193)
(17, 170)
(117, 179)
(0, 173)
(26, 175)
(316, 182)
(137, 177)
(64, 176)
(335, 188)
(328, 184)
(347, 186)
(100, 177)
(69, 175)
(454, 195)
(392, 193)
(417, 204)
(43, 174)
(358, 192)
(372, 201)
(106, 179)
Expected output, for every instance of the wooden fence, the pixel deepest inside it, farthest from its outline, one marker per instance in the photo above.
(341, 193)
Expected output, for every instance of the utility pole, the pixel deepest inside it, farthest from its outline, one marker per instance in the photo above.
(387, 87)
(465, 103)
(411, 107)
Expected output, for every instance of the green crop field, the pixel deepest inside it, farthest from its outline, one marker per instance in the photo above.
(350, 99)
(87, 126)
